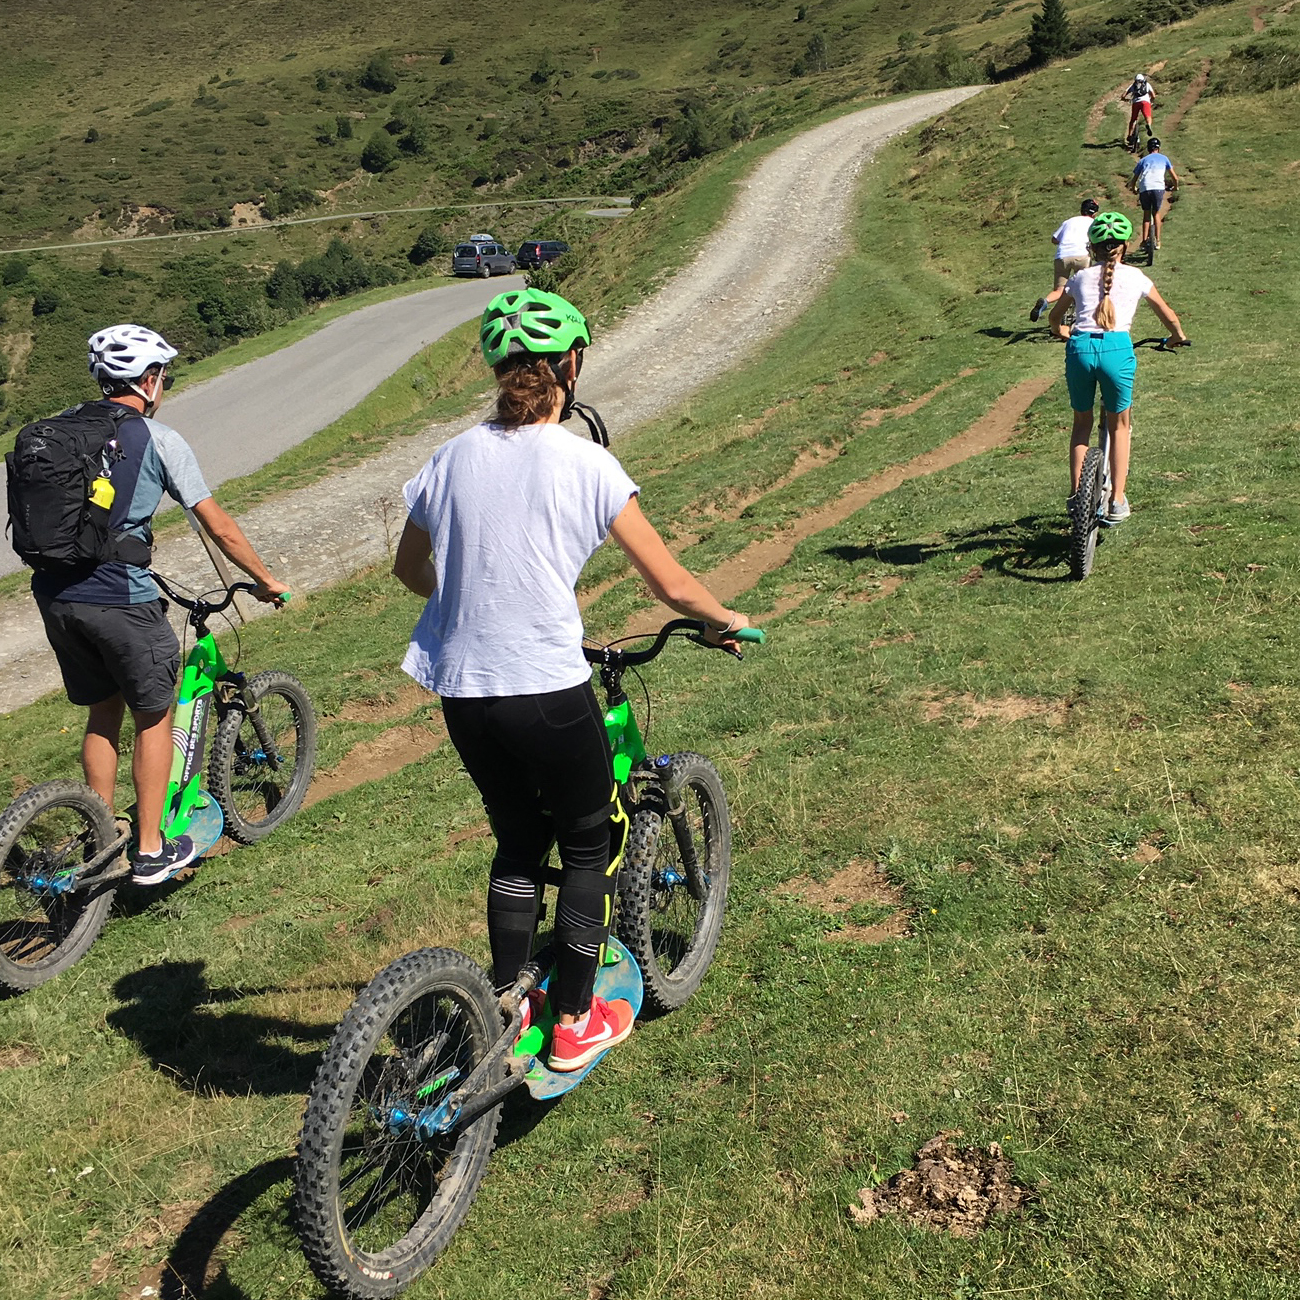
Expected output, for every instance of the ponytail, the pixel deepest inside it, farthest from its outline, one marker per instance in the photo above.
(527, 390)
(1110, 256)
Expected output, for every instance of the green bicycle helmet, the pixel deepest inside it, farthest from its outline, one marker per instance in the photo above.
(528, 320)
(1110, 228)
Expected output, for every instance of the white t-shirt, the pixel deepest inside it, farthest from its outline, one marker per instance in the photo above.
(512, 515)
(1140, 92)
(1127, 289)
(1071, 237)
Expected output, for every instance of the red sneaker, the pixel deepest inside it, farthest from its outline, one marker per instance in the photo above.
(534, 1002)
(608, 1023)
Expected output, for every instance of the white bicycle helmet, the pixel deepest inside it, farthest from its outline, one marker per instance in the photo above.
(122, 353)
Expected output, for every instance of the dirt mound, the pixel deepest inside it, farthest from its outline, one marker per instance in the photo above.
(951, 1189)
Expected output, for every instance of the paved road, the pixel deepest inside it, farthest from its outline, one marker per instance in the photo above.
(246, 417)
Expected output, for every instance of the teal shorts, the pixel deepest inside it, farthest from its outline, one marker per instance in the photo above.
(1106, 359)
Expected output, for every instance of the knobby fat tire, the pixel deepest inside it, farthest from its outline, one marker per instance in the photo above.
(354, 1083)
(654, 841)
(72, 921)
(1085, 523)
(237, 736)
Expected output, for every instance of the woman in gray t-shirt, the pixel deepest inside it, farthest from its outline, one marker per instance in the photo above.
(502, 519)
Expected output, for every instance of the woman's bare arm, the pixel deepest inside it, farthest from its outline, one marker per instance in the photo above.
(1166, 314)
(670, 582)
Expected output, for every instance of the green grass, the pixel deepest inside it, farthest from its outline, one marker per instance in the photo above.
(1084, 792)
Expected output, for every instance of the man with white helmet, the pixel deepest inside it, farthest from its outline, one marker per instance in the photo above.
(106, 621)
(1141, 94)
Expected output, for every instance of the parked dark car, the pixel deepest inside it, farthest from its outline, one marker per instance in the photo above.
(481, 259)
(537, 252)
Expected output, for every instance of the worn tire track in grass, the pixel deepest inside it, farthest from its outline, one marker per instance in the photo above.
(1193, 93)
(394, 749)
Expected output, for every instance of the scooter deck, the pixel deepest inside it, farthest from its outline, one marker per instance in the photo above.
(619, 977)
(206, 825)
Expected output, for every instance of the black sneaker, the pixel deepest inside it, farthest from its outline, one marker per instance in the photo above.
(1037, 310)
(154, 869)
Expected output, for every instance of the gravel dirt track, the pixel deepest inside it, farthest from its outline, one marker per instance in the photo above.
(800, 197)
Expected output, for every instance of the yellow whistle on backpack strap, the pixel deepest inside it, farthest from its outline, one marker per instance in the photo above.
(102, 492)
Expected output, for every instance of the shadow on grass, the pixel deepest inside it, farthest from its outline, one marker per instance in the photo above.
(1034, 334)
(190, 1268)
(1116, 143)
(194, 1267)
(1025, 549)
(179, 1021)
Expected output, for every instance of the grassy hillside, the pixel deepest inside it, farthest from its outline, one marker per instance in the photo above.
(1071, 806)
(225, 115)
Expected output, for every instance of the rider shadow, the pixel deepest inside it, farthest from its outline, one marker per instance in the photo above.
(1025, 549)
(177, 1019)
(193, 1266)
(1037, 334)
(1116, 143)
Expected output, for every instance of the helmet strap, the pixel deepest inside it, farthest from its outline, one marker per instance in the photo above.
(591, 418)
(571, 403)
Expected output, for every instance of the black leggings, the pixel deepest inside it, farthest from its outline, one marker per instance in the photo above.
(542, 765)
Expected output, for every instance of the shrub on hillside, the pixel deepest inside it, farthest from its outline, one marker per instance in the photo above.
(417, 139)
(380, 75)
(380, 153)
(948, 65)
(550, 276)
(339, 271)
(1269, 64)
(430, 243)
(45, 302)
(225, 301)
(284, 289)
(292, 196)
(200, 219)
(14, 270)
(694, 134)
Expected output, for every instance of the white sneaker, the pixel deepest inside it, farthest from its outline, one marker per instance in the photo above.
(1118, 512)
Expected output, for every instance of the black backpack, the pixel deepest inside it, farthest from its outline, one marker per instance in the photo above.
(57, 527)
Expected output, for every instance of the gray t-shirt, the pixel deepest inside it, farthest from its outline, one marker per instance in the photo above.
(512, 515)
(152, 459)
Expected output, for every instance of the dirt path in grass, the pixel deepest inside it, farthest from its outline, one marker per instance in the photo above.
(1192, 94)
(801, 197)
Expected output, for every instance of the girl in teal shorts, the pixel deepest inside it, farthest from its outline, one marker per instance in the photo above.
(1100, 352)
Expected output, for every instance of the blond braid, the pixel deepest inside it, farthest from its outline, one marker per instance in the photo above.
(1104, 316)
